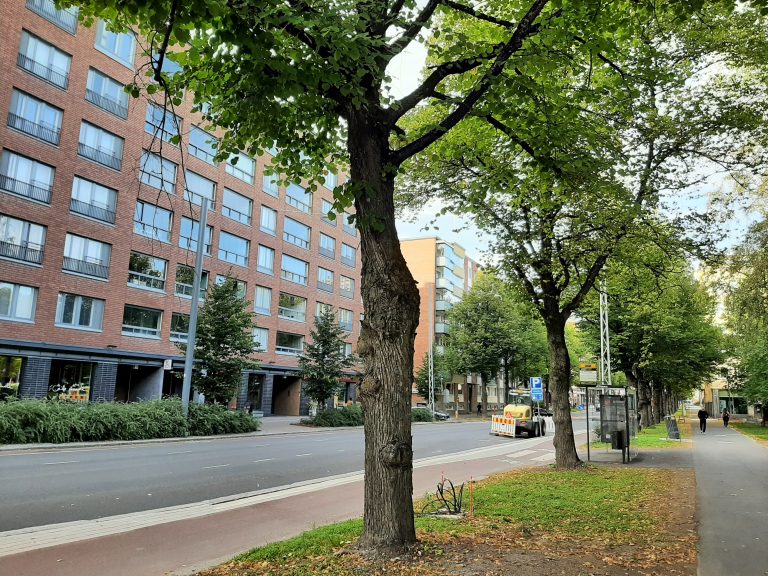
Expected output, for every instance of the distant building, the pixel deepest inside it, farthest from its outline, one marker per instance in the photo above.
(98, 229)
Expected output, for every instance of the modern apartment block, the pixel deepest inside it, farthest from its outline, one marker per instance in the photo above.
(99, 220)
(443, 273)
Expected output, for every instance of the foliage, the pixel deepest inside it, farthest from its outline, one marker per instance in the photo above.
(421, 415)
(344, 416)
(34, 421)
(750, 429)
(224, 344)
(443, 369)
(579, 346)
(324, 359)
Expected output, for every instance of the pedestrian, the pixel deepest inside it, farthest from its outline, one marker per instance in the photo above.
(639, 421)
(703, 415)
(479, 408)
(726, 417)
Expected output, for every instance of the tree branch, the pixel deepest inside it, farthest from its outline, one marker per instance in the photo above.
(479, 15)
(413, 28)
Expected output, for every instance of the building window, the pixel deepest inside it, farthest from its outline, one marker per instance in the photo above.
(331, 180)
(73, 311)
(298, 197)
(190, 229)
(233, 249)
(64, 18)
(143, 322)
(296, 233)
(349, 226)
(179, 327)
(325, 279)
(120, 46)
(198, 188)
(158, 172)
(262, 302)
(269, 185)
(321, 308)
(268, 221)
(152, 221)
(86, 256)
(146, 271)
(237, 207)
(162, 123)
(346, 287)
(327, 246)
(26, 177)
(294, 270)
(44, 60)
(185, 278)
(100, 146)
(17, 302)
(202, 145)
(346, 318)
(327, 208)
(346, 349)
(266, 263)
(21, 240)
(292, 307)
(106, 93)
(242, 287)
(93, 200)
(242, 167)
(261, 340)
(35, 117)
(292, 344)
(348, 255)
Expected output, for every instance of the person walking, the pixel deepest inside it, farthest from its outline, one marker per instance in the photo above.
(703, 415)
(479, 408)
(726, 417)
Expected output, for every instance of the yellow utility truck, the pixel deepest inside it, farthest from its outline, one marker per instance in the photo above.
(527, 419)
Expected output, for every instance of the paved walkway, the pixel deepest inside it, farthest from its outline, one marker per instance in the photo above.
(732, 502)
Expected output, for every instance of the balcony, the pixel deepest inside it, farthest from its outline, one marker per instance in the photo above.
(97, 155)
(441, 261)
(296, 203)
(146, 281)
(443, 283)
(293, 277)
(29, 190)
(292, 344)
(442, 328)
(233, 257)
(55, 76)
(92, 211)
(236, 215)
(64, 19)
(96, 269)
(324, 286)
(443, 305)
(111, 106)
(46, 132)
(327, 252)
(291, 314)
(295, 240)
(25, 252)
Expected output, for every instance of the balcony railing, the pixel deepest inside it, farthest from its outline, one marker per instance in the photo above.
(179, 336)
(293, 277)
(146, 280)
(350, 229)
(345, 326)
(108, 104)
(327, 252)
(91, 210)
(100, 156)
(55, 76)
(348, 261)
(26, 251)
(303, 206)
(327, 220)
(236, 215)
(51, 134)
(202, 153)
(266, 270)
(96, 269)
(289, 350)
(295, 240)
(26, 189)
(292, 314)
(141, 331)
(233, 257)
(64, 19)
(239, 173)
(347, 293)
(324, 286)
(144, 229)
(186, 290)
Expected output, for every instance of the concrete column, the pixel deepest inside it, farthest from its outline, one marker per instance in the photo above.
(35, 374)
(103, 384)
(242, 395)
(266, 403)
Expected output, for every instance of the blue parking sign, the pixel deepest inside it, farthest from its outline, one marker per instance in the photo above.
(536, 383)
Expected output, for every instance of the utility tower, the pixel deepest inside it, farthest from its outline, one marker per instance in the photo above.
(605, 340)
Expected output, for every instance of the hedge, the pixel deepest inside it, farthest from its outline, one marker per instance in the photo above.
(353, 416)
(31, 421)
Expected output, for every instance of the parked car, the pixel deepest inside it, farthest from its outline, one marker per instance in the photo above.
(440, 416)
(543, 412)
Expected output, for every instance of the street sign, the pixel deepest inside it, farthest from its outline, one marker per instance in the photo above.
(537, 395)
(537, 388)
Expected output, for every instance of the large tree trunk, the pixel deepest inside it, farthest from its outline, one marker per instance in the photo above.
(560, 385)
(391, 303)
(658, 403)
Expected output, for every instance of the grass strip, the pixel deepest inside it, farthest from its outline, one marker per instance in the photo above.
(753, 430)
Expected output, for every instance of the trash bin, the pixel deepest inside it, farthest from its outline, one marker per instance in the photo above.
(618, 442)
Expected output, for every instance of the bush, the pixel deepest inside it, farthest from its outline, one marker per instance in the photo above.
(27, 421)
(421, 415)
(345, 416)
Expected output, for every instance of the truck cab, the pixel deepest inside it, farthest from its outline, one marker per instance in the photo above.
(526, 419)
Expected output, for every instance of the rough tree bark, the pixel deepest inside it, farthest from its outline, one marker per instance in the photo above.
(560, 384)
(391, 302)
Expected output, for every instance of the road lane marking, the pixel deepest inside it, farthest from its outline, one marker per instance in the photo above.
(263, 460)
(215, 466)
(300, 455)
(179, 452)
(63, 462)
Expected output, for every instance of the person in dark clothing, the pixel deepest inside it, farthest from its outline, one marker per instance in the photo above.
(703, 415)
(726, 417)
(479, 408)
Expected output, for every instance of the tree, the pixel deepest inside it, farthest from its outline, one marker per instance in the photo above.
(324, 359)
(224, 345)
(443, 370)
(311, 82)
(561, 184)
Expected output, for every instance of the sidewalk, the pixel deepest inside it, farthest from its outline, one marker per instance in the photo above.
(732, 502)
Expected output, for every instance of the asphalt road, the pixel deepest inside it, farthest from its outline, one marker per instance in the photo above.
(61, 485)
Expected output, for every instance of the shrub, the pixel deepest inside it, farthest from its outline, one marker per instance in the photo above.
(345, 416)
(27, 421)
(421, 415)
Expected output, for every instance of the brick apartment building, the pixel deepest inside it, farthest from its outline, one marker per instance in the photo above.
(99, 216)
(443, 273)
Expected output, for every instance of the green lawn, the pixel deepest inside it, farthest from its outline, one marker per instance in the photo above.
(650, 437)
(754, 430)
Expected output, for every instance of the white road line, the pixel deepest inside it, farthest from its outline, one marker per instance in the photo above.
(179, 452)
(299, 455)
(64, 462)
(258, 445)
(341, 450)
(216, 466)
(263, 460)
